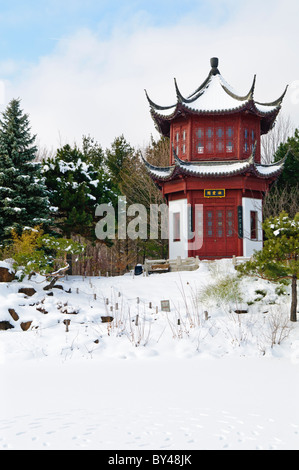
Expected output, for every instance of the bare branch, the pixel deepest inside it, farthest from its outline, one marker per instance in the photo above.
(270, 142)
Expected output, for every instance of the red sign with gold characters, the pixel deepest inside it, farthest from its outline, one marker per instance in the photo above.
(214, 193)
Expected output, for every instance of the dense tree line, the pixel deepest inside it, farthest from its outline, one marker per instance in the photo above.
(61, 192)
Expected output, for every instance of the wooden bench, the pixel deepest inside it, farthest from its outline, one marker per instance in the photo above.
(160, 267)
(157, 268)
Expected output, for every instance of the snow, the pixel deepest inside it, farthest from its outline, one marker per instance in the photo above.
(268, 169)
(216, 383)
(215, 97)
(213, 168)
(205, 169)
(6, 264)
(212, 98)
(94, 183)
(161, 173)
(64, 167)
(167, 112)
(30, 229)
(265, 108)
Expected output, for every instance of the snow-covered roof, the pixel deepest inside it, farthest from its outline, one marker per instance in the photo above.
(216, 96)
(214, 169)
(269, 170)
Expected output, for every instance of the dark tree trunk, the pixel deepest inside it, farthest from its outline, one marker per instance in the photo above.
(51, 285)
(294, 299)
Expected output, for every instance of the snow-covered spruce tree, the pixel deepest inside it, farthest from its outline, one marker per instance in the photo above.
(23, 194)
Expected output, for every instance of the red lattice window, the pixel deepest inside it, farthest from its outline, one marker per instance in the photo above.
(209, 140)
(249, 139)
(229, 139)
(215, 139)
(200, 140)
(180, 141)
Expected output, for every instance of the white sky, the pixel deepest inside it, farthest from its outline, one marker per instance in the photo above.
(92, 83)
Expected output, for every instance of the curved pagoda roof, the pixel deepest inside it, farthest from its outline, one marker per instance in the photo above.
(214, 96)
(212, 169)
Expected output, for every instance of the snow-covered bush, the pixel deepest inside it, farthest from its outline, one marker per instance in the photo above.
(34, 251)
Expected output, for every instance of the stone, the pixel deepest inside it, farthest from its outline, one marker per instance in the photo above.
(29, 291)
(26, 325)
(5, 325)
(107, 319)
(6, 275)
(13, 314)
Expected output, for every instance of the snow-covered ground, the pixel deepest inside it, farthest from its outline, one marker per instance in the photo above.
(215, 380)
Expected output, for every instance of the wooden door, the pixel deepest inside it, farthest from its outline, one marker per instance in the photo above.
(220, 237)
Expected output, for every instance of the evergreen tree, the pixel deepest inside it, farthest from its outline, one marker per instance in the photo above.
(23, 194)
(77, 184)
(92, 151)
(279, 258)
(116, 158)
(284, 193)
(290, 176)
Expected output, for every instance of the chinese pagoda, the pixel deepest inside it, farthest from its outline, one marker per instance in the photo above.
(215, 182)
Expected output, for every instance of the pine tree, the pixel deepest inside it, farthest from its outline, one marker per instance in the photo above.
(279, 258)
(116, 158)
(290, 176)
(23, 194)
(77, 185)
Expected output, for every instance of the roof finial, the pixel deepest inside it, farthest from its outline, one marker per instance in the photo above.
(214, 64)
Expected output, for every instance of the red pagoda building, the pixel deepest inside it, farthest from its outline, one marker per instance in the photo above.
(215, 182)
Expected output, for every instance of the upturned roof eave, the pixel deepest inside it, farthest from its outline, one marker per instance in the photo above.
(163, 123)
(185, 104)
(183, 168)
(181, 107)
(276, 168)
(184, 172)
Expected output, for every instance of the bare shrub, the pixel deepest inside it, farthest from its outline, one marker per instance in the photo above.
(277, 327)
(278, 200)
(279, 134)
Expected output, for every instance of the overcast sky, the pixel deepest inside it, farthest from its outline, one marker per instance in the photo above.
(80, 67)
